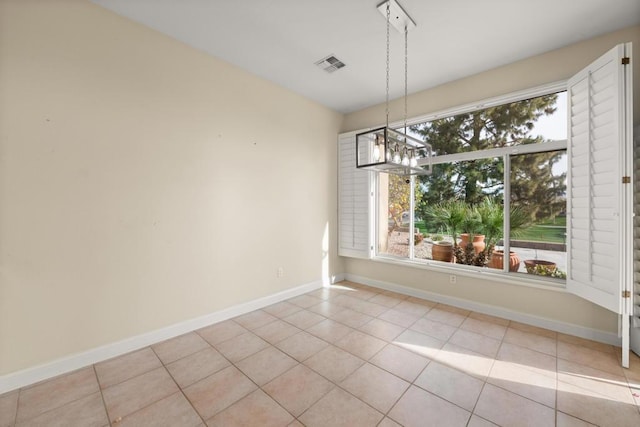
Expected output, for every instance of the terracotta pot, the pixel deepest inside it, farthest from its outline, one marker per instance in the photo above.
(478, 242)
(531, 265)
(442, 251)
(497, 261)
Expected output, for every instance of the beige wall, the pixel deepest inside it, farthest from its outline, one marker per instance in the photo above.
(550, 67)
(144, 183)
(535, 71)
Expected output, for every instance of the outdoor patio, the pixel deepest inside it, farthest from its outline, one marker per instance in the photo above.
(399, 246)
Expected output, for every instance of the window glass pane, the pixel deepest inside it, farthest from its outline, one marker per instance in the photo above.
(538, 199)
(394, 202)
(530, 121)
(460, 201)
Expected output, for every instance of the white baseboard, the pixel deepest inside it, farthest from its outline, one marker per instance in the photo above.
(542, 322)
(70, 363)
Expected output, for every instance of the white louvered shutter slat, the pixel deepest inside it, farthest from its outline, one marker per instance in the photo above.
(353, 202)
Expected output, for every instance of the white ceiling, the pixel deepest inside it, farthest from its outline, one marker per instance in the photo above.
(280, 40)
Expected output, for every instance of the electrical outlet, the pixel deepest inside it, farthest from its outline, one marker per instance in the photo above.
(280, 272)
(452, 279)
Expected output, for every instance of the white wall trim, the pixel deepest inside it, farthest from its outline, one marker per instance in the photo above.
(70, 363)
(542, 322)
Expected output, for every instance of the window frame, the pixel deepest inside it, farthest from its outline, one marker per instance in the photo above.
(505, 153)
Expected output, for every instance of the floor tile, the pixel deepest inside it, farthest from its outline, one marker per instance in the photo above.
(453, 309)
(197, 366)
(384, 330)
(276, 331)
(265, 365)
(450, 384)
(400, 362)
(614, 387)
(399, 318)
(434, 329)
(533, 329)
(360, 344)
(47, 395)
(136, 393)
(301, 346)
(596, 408)
(524, 382)
(304, 301)
(446, 316)
(329, 330)
(351, 318)
(364, 293)
(375, 386)
(8, 408)
(564, 420)
(333, 363)
(255, 319)
(484, 327)
(119, 369)
(304, 319)
(241, 346)
(219, 332)
(422, 409)
(465, 360)
(173, 410)
(297, 389)
(413, 308)
(488, 318)
(218, 391)
(326, 309)
(388, 422)
(508, 409)
(179, 347)
(476, 421)
(324, 293)
(528, 359)
(476, 342)
(422, 301)
(256, 409)
(532, 341)
(421, 344)
(594, 345)
(369, 308)
(88, 411)
(386, 300)
(586, 356)
(282, 309)
(340, 409)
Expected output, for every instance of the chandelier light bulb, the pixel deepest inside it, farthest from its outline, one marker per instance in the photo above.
(396, 154)
(405, 158)
(413, 162)
(376, 153)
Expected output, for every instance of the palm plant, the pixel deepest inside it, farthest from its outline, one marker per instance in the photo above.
(451, 215)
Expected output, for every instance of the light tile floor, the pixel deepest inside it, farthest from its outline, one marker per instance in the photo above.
(350, 355)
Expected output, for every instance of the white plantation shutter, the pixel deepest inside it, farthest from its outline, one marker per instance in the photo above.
(599, 213)
(354, 201)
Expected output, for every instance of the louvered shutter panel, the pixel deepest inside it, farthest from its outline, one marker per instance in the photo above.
(595, 202)
(354, 201)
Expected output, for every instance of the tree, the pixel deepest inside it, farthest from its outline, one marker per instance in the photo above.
(400, 198)
(533, 185)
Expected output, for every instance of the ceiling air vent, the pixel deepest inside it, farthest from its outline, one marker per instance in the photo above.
(330, 64)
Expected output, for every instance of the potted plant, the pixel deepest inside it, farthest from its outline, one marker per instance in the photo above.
(492, 225)
(450, 215)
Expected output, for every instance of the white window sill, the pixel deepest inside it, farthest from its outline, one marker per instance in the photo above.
(519, 279)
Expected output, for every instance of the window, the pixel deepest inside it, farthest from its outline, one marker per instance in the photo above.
(477, 164)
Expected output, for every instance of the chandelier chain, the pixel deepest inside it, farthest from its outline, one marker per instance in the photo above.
(406, 73)
(387, 98)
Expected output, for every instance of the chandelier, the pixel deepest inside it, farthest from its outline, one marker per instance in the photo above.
(388, 150)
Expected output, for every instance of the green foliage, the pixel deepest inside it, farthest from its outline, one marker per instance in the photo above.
(400, 198)
(533, 184)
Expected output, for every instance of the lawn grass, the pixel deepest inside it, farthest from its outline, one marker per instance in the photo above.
(549, 231)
